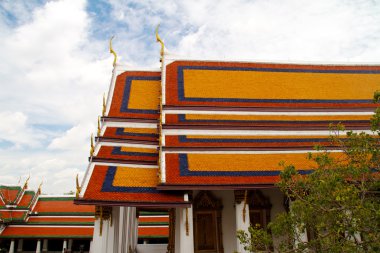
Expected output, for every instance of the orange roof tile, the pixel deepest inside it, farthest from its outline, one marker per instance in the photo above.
(47, 232)
(9, 215)
(101, 188)
(61, 205)
(146, 232)
(26, 199)
(60, 220)
(10, 193)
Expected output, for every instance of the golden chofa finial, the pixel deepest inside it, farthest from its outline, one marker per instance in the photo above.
(98, 133)
(77, 186)
(92, 149)
(26, 183)
(104, 105)
(39, 188)
(158, 39)
(113, 52)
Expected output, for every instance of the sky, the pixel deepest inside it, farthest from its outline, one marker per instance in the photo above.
(55, 64)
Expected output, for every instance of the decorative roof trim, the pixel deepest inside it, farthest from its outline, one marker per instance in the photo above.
(113, 52)
(132, 204)
(193, 131)
(262, 111)
(174, 57)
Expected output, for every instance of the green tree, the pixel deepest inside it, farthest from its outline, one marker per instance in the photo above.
(338, 204)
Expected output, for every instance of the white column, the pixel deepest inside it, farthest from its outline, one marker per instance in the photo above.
(12, 246)
(97, 239)
(64, 246)
(45, 245)
(186, 239)
(19, 245)
(115, 225)
(133, 228)
(122, 238)
(70, 245)
(300, 235)
(91, 246)
(130, 229)
(242, 223)
(111, 233)
(105, 237)
(38, 248)
(177, 242)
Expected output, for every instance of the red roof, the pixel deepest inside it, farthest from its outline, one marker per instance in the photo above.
(10, 193)
(26, 199)
(10, 215)
(221, 124)
(148, 232)
(60, 206)
(60, 220)
(14, 231)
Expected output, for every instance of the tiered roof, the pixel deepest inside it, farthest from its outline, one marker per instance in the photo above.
(123, 167)
(221, 125)
(229, 124)
(15, 202)
(28, 214)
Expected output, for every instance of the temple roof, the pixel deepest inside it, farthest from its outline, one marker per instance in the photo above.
(123, 168)
(32, 215)
(9, 194)
(210, 124)
(229, 124)
(42, 231)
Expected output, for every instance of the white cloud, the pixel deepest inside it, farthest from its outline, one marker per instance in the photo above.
(14, 129)
(76, 138)
(324, 30)
(55, 66)
(50, 64)
(53, 76)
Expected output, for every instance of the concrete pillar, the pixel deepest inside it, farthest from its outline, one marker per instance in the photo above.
(64, 246)
(12, 246)
(130, 229)
(91, 246)
(133, 228)
(242, 223)
(97, 239)
(70, 245)
(111, 247)
(177, 229)
(19, 245)
(115, 228)
(186, 231)
(121, 234)
(38, 248)
(105, 240)
(300, 235)
(45, 245)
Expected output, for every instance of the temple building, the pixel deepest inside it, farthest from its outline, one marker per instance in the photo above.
(33, 222)
(203, 141)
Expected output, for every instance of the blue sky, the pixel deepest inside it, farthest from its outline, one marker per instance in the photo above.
(55, 65)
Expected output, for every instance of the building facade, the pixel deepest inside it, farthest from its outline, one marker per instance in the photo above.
(33, 222)
(203, 140)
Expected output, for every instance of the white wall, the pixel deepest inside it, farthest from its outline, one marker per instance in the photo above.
(276, 199)
(228, 219)
(151, 248)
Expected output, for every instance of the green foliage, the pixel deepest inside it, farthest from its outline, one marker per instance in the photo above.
(258, 239)
(338, 204)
